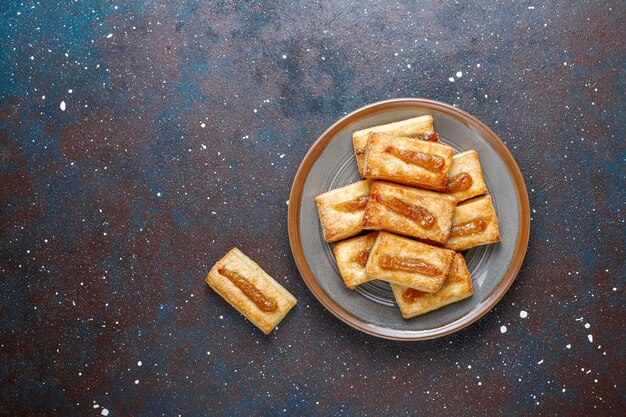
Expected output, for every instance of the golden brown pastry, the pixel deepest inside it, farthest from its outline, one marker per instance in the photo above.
(417, 127)
(341, 210)
(352, 255)
(465, 179)
(456, 287)
(409, 211)
(474, 223)
(248, 288)
(408, 161)
(408, 262)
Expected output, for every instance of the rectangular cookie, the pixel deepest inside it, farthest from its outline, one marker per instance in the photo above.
(408, 161)
(474, 223)
(418, 127)
(341, 210)
(409, 211)
(465, 179)
(351, 256)
(408, 262)
(456, 287)
(248, 288)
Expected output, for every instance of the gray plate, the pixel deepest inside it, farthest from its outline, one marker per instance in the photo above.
(373, 303)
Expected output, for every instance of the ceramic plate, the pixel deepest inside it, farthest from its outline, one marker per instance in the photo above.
(330, 163)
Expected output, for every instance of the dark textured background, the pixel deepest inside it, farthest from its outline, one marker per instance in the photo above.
(183, 127)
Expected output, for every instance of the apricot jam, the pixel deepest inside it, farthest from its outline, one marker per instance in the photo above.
(432, 163)
(469, 228)
(361, 258)
(459, 182)
(252, 292)
(352, 205)
(418, 214)
(429, 137)
(410, 294)
(399, 263)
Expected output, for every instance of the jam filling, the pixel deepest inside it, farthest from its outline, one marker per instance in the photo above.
(352, 205)
(432, 163)
(399, 263)
(459, 182)
(418, 214)
(411, 294)
(264, 303)
(429, 137)
(469, 228)
(361, 258)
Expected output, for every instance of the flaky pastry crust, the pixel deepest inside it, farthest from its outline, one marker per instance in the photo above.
(276, 295)
(456, 287)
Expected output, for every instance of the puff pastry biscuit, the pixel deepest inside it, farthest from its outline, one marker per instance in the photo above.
(248, 288)
(465, 179)
(341, 210)
(418, 127)
(408, 262)
(409, 211)
(456, 287)
(474, 223)
(352, 255)
(408, 161)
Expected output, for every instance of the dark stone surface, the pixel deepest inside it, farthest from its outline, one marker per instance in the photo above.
(183, 127)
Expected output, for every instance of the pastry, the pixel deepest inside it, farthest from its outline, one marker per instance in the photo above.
(341, 210)
(408, 262)
(248, 288)
(418, 127)
(474, 223)
(408, 161)
(465, 179)
(351, 256)
(456, 287)
(409, 211)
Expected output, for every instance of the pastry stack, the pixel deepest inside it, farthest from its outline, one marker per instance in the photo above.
(418, 207)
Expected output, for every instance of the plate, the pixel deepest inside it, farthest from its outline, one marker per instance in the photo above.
(330, 163)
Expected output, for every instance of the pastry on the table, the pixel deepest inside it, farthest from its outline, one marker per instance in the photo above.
(456, 287)
(418, 127)
(408, 161)
(408, 262)
(465, 179)
(351, 256)
(341, 210)
(248, 288)
(474, 223)
(409, 211)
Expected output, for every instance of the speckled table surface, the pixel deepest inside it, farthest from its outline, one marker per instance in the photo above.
(139, 142)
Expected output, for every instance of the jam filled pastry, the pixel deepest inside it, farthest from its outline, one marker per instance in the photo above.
(456, 287)
(465, 179)
(341, 210)
(248, 288)
(409, 211)
(474, 223)
(408, 262)
(408, 161)
(351, 256)
(418, 127)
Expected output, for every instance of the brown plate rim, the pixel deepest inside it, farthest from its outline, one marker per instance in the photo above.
(293, 217)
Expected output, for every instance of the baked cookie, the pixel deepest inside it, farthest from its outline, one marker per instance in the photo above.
(351, 256)
(456, 287)
(408, 161)
(409, 211)
(465, 179)
(341, 210)
(248, 288)
(408, 262)
(418, 127)
(474, 223)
